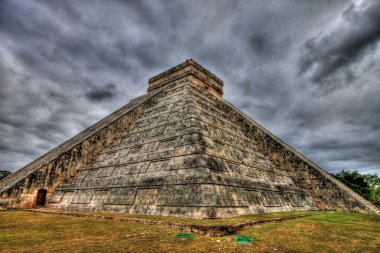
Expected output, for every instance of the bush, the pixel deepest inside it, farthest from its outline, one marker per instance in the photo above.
(367, 185)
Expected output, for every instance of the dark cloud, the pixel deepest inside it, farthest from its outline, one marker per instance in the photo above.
(55, 56)
(269, 95)
(103, 93)
(261, 44)
(59, 97)
(352, 39)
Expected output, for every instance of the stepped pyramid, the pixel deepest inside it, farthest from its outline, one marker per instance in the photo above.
(180, 150)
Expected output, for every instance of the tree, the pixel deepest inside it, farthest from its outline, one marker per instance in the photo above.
(375, 195)
(367, 185)
(4, 173)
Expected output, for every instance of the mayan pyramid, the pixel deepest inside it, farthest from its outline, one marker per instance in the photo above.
(181, 150)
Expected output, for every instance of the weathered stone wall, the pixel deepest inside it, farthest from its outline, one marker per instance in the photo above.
(327, 192)
(65, 167)
(182, 157)
(19, 190)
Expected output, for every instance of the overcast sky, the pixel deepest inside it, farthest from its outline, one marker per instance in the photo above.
(308, 71)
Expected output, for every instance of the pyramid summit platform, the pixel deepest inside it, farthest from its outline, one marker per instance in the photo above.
(179, 150)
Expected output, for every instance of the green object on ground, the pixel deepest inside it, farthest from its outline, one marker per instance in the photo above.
(185, 235)
(243, 239)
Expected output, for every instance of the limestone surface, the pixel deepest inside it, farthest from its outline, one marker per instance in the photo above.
(180, 150)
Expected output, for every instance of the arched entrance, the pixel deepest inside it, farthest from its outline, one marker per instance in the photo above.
(41, 197)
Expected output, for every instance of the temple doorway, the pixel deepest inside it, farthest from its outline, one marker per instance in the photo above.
(41, 197)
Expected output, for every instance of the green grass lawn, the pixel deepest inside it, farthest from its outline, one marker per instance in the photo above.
(22, 231)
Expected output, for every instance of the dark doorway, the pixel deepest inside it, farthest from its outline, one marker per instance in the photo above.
(41, 197)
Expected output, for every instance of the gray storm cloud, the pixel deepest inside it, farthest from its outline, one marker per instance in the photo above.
(357, 36)
(306, 70)
(103, 93)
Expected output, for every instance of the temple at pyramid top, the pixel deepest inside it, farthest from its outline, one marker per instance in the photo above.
(200, 75)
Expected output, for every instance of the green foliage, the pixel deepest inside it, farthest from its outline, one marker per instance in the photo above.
(367, 185)
(4, 173)
(375, 195)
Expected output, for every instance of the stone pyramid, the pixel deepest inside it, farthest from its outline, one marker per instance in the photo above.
(178, 150)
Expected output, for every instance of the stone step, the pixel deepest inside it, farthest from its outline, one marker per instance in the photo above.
(25, 171)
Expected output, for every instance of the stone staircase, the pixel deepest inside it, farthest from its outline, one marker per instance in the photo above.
(22, 173)
(369, 205)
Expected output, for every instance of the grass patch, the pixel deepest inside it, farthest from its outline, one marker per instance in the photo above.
(9, 210)
(330, 232)
(38, 232)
